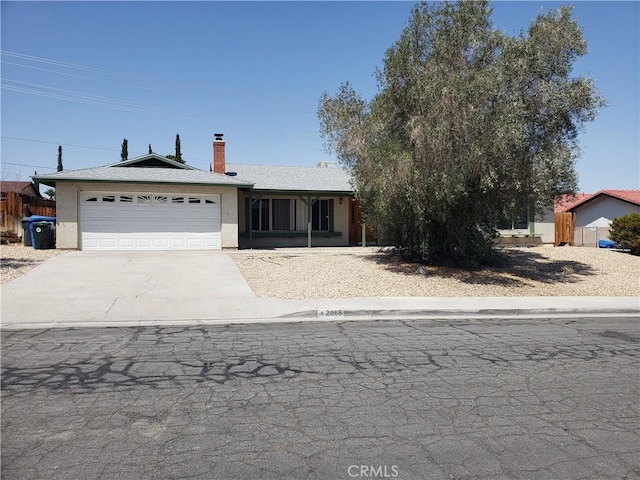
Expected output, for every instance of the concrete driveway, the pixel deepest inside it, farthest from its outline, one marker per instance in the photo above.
(96, 287)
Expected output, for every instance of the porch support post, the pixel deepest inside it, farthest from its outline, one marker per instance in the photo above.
(250, 221)
(308, 201)
(309, 204)
(532, 220)
(364, 233)
(252, 200)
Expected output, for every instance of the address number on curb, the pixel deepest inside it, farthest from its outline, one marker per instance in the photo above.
(331, 312)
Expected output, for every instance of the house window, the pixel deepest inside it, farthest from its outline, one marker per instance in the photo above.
(320, 216)
(109, 198)
(282, 214)
(160, 199)
(126, 199)
(260, 214)
(521, 222)
(177, 200)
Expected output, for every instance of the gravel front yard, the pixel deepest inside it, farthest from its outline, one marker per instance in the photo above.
(356, 272)
(18, 259)
(539, 271)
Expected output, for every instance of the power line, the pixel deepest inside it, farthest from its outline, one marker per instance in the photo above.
(23, 165)
(193, 159)
(151, 79)
(105, 102)
(156, 90)
(58, 143)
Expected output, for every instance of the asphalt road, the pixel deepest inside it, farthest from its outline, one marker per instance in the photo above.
(507, 399)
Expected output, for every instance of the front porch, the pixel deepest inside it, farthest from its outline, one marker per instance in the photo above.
(301, 219)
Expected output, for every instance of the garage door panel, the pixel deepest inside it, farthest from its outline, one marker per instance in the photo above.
(126, 243)
(160, 243)
(178, 243)
(143, 243)
(150, 221)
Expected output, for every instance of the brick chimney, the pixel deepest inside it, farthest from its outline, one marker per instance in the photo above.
(218, 154)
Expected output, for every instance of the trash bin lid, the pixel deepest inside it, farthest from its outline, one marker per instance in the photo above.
(40, 218)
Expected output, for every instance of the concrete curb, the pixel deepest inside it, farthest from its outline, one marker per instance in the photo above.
(466, 313)
(349, 315)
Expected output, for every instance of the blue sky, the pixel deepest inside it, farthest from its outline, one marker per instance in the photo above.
(88, 74)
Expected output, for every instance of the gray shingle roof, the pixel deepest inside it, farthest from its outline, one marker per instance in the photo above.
(262, 177)
(141, 175)
(287, 178)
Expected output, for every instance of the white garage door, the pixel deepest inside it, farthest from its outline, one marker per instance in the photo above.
(149, 221)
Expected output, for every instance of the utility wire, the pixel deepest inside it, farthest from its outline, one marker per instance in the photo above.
(63, 144)
(192, 159)
(149, 89)
(98, 101)
(151, 79)
(32, 166)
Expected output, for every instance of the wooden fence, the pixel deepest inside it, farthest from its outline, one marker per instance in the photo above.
(564, 227)
(14, 206)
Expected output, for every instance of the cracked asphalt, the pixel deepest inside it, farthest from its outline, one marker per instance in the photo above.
(476, 399)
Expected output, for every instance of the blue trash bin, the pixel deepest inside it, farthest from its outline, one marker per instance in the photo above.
(26, 232)
(40, 218)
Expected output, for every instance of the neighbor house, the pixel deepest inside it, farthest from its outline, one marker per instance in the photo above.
(151, 202)
(592, 213)
(18, 200)
(26, 189)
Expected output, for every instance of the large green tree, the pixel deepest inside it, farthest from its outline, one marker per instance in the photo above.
(469, 125)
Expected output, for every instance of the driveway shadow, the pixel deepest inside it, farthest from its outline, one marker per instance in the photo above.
(520, 268)
(13, 263)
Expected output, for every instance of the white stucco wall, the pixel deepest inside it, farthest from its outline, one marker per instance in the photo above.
(67, 213)
(603, 206)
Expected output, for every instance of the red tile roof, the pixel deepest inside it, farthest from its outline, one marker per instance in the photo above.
(564, 203)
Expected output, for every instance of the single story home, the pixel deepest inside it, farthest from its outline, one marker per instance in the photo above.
(609, 204)
(155, 203)
(592, 213)
(20, 199)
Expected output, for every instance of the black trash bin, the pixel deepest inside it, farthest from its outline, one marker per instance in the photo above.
(26, 231)
(42, 235)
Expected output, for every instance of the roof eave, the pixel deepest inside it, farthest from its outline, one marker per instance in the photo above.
(598, 195)
(271, 191)
(52, 182)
